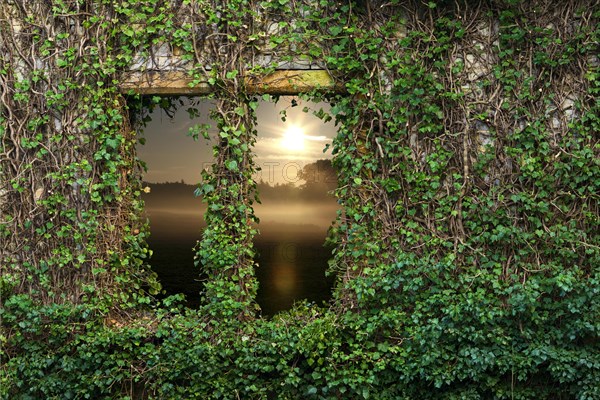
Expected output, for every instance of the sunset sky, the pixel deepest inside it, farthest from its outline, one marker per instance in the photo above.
(282, 148)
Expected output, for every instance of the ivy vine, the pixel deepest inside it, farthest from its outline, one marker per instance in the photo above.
(467, 247)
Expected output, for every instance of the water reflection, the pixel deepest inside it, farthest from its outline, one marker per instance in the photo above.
(291, 271)
(283, 278)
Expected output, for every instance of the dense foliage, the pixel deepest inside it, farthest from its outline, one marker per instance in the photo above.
(467, 249)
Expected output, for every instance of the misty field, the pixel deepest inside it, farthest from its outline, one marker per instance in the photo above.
(291, 255)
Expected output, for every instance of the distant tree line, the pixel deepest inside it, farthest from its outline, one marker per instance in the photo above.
(320, 180)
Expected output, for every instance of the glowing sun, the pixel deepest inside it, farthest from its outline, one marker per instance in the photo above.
(293, 138)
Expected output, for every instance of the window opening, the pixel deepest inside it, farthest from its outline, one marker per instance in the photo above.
(174, 162)
(294, 184)
(297, 206)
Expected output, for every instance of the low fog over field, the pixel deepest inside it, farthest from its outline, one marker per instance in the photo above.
(291, 253)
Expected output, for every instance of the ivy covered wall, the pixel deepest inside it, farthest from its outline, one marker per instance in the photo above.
(467, 249)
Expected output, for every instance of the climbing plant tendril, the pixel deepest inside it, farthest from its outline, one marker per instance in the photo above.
(467, 248)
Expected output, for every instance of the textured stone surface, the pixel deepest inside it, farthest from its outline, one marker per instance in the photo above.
(179, 83)
(167, 82)
(292, 82)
